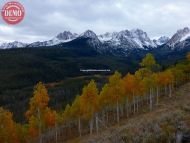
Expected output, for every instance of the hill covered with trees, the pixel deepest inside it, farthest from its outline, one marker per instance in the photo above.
(96, 107)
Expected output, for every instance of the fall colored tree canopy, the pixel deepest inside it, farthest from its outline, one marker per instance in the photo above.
(97, 107)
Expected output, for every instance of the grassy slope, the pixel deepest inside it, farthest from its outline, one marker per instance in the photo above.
(171, 111)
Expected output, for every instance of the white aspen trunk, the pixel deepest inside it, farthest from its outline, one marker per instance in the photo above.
(56, 132)
(121, 108)
(97, 126)
(137, 104)
(166, 90)
(79, 126)
(127, 108)
(140, 101)
(130, 108)
(157, 95)
(91, 126)
(150, 99)
(134, 103)
(117, 108)
(170, 88)
(107, 116)
(103, 116)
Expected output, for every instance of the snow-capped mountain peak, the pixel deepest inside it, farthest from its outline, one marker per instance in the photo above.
(142, 38)
(138, 33)
(135, 38)
(63, 37)
(138, 36)
(92, 39)
(14, 44)
(66, 35)
(180, 36)
(89, 34)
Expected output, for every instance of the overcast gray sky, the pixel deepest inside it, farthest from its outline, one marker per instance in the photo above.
(46, 18)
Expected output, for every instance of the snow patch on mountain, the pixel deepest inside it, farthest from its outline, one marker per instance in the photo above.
(179, 36)
(63, 37)
(88, 34)
(92, 39)
(14, 44)
(105, 37)
(142, 38)
(135, 38)
(185, 37)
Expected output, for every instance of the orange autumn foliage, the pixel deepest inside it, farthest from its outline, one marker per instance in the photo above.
(8, 132)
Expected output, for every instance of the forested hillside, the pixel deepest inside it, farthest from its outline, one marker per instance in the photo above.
(97, 107)
(21, 69)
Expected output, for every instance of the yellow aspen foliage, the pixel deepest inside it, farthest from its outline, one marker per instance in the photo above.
(149, 82)
(116, 92)
(115, 88)
(148, 61)
(142, 72)
(8, 132)
(33, 127)
(67, 113)
(76, 112)
(89, 100)
(39, 115)
(76, 107)
(39, 101)
(169, 78)
(104, 98)
(178, 74)
(129, 84)
(22, 133)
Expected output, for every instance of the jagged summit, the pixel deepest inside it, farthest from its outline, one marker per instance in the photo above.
(88, 34)
(66, 35)
(180, 36)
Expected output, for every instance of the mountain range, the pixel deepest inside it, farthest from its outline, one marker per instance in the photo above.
(116, 43)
